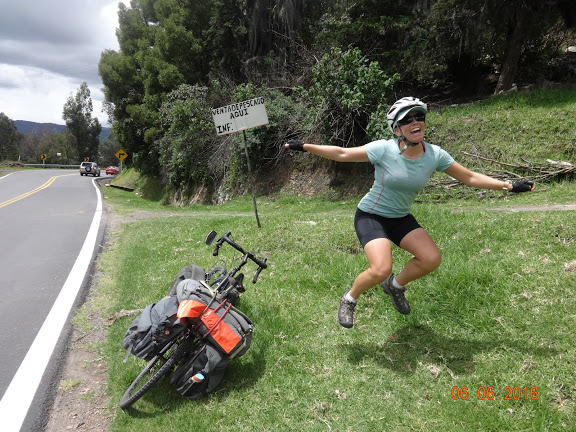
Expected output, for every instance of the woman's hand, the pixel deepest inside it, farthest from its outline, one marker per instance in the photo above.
(294, 144)
(474, 179)
(522, 186)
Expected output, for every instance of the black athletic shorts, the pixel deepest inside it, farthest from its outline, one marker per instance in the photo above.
(372, 226)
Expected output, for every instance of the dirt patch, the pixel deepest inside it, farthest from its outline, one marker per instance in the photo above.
(81, 402)
(537, 208)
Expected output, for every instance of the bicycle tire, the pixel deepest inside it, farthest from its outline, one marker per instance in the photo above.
(143, 382)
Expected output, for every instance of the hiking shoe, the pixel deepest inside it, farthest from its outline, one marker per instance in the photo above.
(397, 295)
(346, 311)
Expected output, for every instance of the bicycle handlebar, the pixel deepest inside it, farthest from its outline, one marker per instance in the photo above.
(261, 263)
(220, 241)
(260, 268)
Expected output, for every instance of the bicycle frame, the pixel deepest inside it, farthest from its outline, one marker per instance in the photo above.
(177, 350)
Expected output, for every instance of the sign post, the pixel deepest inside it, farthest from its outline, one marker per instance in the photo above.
(239, 117)
(121, 155)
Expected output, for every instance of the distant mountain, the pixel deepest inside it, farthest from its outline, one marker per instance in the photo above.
(28, 128)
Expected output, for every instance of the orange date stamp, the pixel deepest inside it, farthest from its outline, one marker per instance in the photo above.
(511, 393)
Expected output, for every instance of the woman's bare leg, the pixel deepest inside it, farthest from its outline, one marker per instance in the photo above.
(426, 258)
(379, 255)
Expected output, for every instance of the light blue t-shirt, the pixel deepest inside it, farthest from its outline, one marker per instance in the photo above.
(397, 179)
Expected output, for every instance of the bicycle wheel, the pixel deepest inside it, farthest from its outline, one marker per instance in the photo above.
(156, 368)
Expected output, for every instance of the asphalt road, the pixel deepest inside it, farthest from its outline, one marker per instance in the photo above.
(50, 229)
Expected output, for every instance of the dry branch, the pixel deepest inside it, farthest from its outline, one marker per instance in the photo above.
(547, 171)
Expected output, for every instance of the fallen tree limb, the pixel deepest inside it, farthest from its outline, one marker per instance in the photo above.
(547, 171)
(442, 187)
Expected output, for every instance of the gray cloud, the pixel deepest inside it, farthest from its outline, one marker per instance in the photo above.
(59, 21)
(50, 47)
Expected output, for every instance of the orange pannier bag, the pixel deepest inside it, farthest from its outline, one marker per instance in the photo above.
(225, 326)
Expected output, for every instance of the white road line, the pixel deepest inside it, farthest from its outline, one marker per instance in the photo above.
(16, 401)
(4, 176)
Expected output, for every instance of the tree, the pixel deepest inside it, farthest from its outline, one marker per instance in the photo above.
(78, 117)
(108, 149)
(227, 40)
(186, 148)
(162, 45)
(52, 144)
(472, 36)
(522, 22)
(335, 61)
(348, 89)
(9, 138)
(274, 25)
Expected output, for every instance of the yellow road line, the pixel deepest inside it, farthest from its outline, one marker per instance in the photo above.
(38, 189)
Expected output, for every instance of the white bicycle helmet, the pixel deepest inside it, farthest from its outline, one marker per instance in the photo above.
(402, 107)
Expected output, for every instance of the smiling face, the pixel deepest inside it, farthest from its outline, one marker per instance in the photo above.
(413, 131)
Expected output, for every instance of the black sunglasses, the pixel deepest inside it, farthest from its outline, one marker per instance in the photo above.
(409, 119)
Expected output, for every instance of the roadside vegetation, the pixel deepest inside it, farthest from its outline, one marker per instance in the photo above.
(498, 313)
(488, 345)
(326, 70)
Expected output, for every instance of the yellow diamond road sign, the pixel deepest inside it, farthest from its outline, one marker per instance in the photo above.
(121, 155)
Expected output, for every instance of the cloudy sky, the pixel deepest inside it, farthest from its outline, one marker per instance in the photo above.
(48, 48)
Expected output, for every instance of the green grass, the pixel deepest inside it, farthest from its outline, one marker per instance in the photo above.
(532, 126)
(498, 313)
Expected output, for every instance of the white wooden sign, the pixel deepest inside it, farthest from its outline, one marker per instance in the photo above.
(240, 116)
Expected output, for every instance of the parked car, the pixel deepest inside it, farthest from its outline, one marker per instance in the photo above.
(112, 170)
(89, 168)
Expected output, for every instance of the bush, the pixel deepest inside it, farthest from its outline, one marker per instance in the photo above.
(348, 88)
(186, 147)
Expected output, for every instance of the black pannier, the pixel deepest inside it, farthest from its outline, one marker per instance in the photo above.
(150, 331)
(201, 373)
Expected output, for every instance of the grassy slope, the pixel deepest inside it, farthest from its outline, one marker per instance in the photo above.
(532, 125)
(498, 313)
